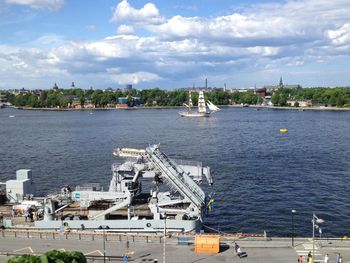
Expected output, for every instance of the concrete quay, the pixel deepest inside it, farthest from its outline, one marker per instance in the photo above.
(147, 248)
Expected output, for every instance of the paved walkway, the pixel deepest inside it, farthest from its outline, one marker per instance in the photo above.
(276, 250)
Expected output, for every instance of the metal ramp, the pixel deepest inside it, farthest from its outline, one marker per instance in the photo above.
(183, 183)
(113, 208)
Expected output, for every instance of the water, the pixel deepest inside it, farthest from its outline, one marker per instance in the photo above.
(260, 174)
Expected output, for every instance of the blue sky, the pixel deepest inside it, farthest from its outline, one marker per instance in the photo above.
(173, 44)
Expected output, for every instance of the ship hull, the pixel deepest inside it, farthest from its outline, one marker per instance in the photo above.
(145, 226)
(193, 114)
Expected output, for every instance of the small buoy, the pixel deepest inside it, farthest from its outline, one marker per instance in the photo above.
(284, 130)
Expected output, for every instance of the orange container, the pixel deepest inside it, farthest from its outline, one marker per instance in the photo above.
(207, 244)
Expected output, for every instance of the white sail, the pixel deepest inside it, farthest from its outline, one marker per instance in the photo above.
(190, 104)
(186, 105)
(212, 107)
(201, 102)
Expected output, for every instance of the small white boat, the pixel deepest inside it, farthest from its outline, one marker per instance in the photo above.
(11, 116)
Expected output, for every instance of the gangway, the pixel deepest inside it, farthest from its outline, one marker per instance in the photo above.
(183, 183)
(116, 206)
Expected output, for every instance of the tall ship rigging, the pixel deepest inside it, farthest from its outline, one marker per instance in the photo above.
(202, 111)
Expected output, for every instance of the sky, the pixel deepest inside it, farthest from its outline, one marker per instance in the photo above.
(173, 44)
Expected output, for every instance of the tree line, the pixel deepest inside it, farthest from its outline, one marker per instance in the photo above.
(62, 98)
(149, 97)
(51, 256)
(335, 97)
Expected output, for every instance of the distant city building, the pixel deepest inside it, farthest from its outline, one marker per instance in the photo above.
(20, 91)
(301, 103)
(267, 101)
(261, 92)
(128, 86)
(240, 90)
(136, 101)
(74, 102)
(73, 85)
(3, 98)
(271, 88)
(55, 86)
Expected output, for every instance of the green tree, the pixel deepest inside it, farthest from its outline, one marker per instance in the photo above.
(32, 101)
(275, 99)
(51, 257)
(96, 97)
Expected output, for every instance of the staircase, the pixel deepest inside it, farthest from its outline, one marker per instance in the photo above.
(178, 179)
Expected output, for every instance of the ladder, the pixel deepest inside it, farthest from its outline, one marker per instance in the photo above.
(183, 183)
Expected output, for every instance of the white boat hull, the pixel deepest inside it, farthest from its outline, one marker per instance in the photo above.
(125, 225)
(194, 114)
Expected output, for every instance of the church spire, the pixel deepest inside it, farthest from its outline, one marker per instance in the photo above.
(281, 83)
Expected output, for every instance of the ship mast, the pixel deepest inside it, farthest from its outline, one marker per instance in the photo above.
(201, 102)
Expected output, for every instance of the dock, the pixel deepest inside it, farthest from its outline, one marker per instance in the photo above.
(150, 247)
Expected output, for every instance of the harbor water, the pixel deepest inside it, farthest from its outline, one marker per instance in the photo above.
(260, 174)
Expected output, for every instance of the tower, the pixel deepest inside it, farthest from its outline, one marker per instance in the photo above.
(280, 85)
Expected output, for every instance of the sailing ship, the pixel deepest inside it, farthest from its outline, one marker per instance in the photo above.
(202, 107)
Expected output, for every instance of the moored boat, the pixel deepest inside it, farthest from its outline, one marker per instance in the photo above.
(125, 207)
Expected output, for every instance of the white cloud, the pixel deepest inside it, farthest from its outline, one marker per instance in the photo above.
(125, 30)
(265, 39)
(148, 14)
(38, 4)
(131, 78)
(340, 36)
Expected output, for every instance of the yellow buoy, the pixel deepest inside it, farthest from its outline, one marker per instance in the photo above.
(283, 130)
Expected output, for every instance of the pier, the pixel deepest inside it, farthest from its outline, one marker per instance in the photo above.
(178, 248)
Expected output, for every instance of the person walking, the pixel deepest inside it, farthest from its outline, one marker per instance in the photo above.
(239, 251)
(326, 258)
(236, 248)
(309, 258)
(340, 259)
(26, 215)
(300, 259)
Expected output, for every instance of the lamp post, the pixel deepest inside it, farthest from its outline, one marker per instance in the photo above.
(104, 246)
(164, 237)
(104, 241)
(315, 220)
(293, 212)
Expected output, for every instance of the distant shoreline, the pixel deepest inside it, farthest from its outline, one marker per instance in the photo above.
(182, 107)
